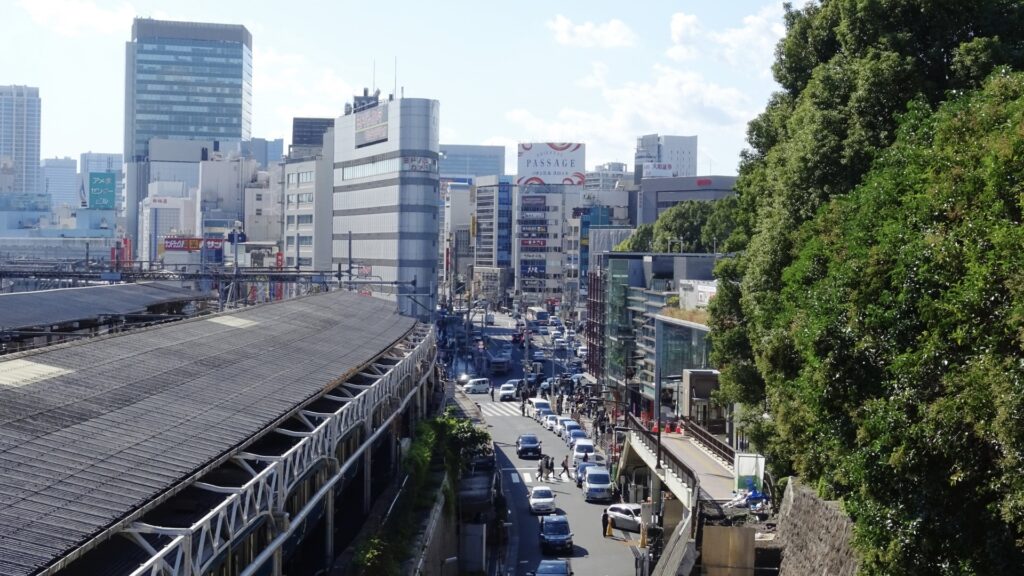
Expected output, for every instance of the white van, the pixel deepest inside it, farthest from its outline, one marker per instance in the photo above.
(477, 386)
(583, 446)
(535, 404)
(597, 484)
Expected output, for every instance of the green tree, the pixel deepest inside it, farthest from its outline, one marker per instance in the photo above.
(678, 229)
(641, 240)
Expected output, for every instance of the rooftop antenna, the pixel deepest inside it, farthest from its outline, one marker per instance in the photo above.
(373, 81)
(395, 89)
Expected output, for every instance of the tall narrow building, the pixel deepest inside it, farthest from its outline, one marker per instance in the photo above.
(59, 179)
(19, 139)
(385, 195)
(183, 81)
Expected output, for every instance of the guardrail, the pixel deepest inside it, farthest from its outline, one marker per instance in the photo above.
(193, 550)
(721, 449)
(669, 460)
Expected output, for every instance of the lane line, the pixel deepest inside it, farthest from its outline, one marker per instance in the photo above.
(515, 478)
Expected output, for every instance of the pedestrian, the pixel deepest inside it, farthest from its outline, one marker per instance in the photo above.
(586, 456)
(492, 393)
(565, 468)
(540, 467)
(604, 523)
(551, 467)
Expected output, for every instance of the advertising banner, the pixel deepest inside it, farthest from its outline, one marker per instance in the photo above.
(101, 190)
(551, 163)
(371, 126)
(532, 268)
(533, 242)
(533, 231)
(658, 170)
(182, 244)
(533, 202)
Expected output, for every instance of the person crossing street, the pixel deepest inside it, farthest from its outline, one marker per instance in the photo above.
(565, 468)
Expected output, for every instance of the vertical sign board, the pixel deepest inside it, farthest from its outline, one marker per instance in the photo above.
(101, 190)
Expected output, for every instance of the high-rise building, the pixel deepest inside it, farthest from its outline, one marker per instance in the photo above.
(20, 110)
(670, 155)
(60, 181)
(470, 160)
(386, 195)
(265, 152)
(310, 131)
(308, 192)
(607, 176)
(183, 81)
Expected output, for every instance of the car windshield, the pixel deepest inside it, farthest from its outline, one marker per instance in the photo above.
(528, 439)
(577, 433)
(553, 567)
(543, 493)
(587, 448)
(597, 478)
(556, 528)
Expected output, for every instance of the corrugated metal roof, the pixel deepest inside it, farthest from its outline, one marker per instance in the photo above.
(136, 414)
(47, 307)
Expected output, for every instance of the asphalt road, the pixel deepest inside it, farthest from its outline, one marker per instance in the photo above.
(593, 554)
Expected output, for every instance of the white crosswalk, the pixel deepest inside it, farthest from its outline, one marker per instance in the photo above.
(531, 478)
(500, 409)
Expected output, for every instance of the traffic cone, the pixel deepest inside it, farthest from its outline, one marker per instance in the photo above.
(608, 529)
(654, 427)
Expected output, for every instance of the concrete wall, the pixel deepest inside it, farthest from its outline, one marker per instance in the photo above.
(816, 533)
(437, 541)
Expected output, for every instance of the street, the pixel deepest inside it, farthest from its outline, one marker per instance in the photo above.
(593, 553)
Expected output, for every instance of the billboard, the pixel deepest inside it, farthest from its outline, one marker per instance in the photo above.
(371, 126)
(658, 170)
(551, 163)
(101, 190)
(532, 268)
(533, 242)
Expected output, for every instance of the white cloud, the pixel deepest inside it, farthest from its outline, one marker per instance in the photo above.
(684, 31)
(286, 85)
(78, 18)
(752, 45)
(611, 34)
(597, 77)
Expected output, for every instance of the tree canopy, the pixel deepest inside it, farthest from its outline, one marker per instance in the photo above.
(694, 226)
(875, 308)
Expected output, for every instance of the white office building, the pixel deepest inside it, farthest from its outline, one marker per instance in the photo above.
(386, 196)
(60, 182)
(665, 157)
(308, 190)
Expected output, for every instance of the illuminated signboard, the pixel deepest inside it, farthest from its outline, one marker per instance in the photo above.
(532, 268)
(371, 126)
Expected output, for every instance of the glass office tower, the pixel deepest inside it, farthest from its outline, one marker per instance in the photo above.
(188, 81)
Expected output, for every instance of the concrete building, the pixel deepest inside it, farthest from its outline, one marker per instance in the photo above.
(169, 210)
(183, 81)
(457, 237)
(266, 153)
(308, 191)
(221, 198)
(20, 112)
(308, 136)
(540, 213)
(106, 162)
(493, 255)
(386, 195)
(607, 176)
(672, 155)
(60, 181)
(659, 194)
(470, 160)
(263, 208)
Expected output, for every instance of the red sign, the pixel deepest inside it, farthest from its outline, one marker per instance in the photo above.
(214, 243)
(703, 181)
(279, 259)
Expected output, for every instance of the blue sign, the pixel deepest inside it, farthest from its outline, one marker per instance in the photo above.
(101, 190)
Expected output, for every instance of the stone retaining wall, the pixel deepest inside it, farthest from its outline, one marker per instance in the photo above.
(816, 534)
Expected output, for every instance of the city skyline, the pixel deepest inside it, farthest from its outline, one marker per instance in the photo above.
(605, 76)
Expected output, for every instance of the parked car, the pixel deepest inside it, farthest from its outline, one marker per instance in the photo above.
(477, 386)
(625, 516)
(581, 472)
(559, 343)
(541, 414)
(555, 533)
(538, 354)
(569, 427)
(542, 500)
(556, 334)
(560, 425)
(573, 435)
(597, 484)
(582, 447)
(550, 420)
(581, 351)
(507, 392)
(528, 445)
(552, 568)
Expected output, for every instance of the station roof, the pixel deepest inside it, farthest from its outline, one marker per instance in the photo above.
(48, 307)
(91, 432)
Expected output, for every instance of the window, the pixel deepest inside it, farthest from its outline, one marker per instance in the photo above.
(259, 197)
(291, 241)
(305, 177)
(259, 211)
(293, 180)
(291, 220)
(371, 169)
(305, 219)
(306, 198)
(305, 240)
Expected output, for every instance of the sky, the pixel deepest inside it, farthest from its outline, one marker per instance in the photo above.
(593, 71)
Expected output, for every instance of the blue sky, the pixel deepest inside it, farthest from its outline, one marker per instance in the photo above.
(599, 72)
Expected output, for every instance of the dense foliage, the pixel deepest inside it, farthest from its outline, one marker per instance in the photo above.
(875, 310)
(691, 226)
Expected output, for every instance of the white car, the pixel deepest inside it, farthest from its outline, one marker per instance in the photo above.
(542, 500)
(583, 446)
(477, 386)
(570, 334)
(507, 392)
(559, 343)
(550, 420)
(573, 435)
(559, 425)
(581, 351)
(625, 516)
(597, 484)
(556, 334)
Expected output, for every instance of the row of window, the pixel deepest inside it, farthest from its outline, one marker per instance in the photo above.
(186, 78)
(296, 178)
(303, 219)
(303, 241)
(188, 98)
(297, 199)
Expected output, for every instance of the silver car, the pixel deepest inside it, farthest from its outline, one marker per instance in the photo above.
(625, 516)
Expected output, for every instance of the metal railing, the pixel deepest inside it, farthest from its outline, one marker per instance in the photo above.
(721, 449)
(668, 459)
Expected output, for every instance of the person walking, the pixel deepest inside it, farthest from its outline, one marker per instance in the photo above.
(492, 393)
(565, 468)
(540, 468)
(604, 523)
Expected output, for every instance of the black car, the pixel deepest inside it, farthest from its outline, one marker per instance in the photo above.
(552, 568)
(528, 445)
(555, 533)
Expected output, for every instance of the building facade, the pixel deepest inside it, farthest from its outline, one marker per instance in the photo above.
(675, 154)
(106, 162)
(308, 191)
(20, 113)
(469, 161)
(386, 195)
(266, 153)
(607, 176)
(60, 181)
(659, 194)
(493, 254)
(540, 214)
(183, 81)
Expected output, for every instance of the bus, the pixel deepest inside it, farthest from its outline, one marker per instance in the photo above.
(537, 314)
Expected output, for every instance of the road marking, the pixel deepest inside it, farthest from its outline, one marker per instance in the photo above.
(527, 478)
(515, 478)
